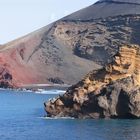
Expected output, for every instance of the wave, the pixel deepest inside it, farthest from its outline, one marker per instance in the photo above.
(39, 91)
(57, 118)
(52, 91)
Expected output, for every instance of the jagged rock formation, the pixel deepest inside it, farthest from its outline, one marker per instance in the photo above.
(110, 92)
(5, 78)
(66, 50)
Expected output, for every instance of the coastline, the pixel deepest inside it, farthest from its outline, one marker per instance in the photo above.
(36, 87)
(41, 88)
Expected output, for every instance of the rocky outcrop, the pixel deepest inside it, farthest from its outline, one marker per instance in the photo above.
(110, 92)
(5, 78)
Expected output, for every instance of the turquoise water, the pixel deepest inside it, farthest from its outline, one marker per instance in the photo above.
(21, 118)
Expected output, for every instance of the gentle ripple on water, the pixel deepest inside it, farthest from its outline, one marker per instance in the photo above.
(21, 118)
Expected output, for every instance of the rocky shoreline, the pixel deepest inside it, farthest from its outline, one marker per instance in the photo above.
(110, 92)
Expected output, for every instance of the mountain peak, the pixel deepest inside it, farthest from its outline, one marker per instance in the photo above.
(107, 8)
(121, 1)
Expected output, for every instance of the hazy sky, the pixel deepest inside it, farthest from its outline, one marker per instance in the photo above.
(20, 17)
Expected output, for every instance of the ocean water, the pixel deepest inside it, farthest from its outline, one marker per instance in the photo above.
(21, 118)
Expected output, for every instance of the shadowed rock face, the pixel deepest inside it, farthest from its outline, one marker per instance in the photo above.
(110, 92)
(66, 50)
(5, 78)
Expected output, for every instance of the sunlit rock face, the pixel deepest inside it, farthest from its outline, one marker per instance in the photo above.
(66, 50)
(110, 92)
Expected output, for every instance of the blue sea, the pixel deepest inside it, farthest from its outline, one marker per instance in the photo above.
(21, 118)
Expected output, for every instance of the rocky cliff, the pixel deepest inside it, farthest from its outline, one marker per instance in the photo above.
(69, 48)
(110, 92)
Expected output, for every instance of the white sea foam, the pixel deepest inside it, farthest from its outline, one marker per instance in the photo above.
(39, 91)
(56, 118)
(53, 91)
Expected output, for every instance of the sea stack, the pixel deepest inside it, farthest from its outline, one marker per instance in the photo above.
(111, 39)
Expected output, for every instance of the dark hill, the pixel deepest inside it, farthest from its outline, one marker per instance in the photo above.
(107, 8)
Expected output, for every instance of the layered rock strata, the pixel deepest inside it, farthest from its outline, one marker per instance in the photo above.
(110, 92)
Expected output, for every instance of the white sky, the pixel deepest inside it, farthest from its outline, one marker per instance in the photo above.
(20, 17)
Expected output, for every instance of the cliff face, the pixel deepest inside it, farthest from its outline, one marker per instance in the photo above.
(113, 91)
(6, 78)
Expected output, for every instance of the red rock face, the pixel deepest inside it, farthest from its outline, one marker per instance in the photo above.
(22, 73)
(13, 57)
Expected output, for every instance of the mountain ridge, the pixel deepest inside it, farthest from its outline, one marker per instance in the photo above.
(108, 8)
(120, 1)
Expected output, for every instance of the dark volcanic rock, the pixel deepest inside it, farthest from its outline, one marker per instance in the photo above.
(111, 92)
(56, 80)
(107, 8)
(5, 78)
(117, 100)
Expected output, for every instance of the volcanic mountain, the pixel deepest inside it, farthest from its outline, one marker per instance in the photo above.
(64, 51)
